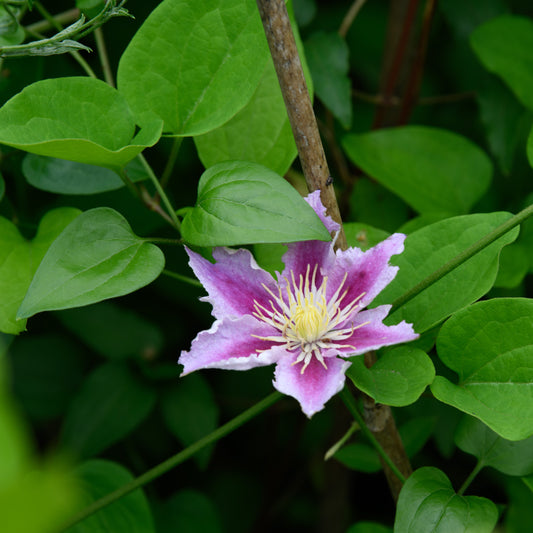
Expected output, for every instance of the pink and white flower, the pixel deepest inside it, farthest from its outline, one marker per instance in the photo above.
(304, 321)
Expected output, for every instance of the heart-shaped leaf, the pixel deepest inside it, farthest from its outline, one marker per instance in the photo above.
(79, 119)
(428, 503)
(490, 346)
(235, 206)
(96, 257)
(169, 72)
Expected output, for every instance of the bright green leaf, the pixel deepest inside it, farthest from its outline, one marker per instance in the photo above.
(428, 503)
(398, 378)
(363, 236)
(503, 45)
(130, 513)
(19, 260)
(512, 458)
(111, 403)
(431, 247)
(327, 55)
(490, 346)
(194, 64)
(190, 412)
(235, 206)
(96, 257)
(431, 169)
(79, 119)
(68, 177)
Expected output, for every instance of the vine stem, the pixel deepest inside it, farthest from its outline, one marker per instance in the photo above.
(104, 58)
(175, 460)
(181, 277)
(459, 259)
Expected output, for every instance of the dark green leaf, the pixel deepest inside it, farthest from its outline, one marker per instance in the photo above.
(512, 458)
(433, 170)
(514, 265)
(194, 88)
(360, 457)
(95, 258)
(110, 404)
(362, 235)
(490, 346)
(130, 513)
(369, 527)
(2, 187)
(235, 206)
(428, 503)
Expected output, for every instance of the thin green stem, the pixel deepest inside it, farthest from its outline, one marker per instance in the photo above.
(181, 277)
(463, 256)
(161, 192)
(479, 466)
(67, 17)
(104, 58)
(175, 460)
(171, 161)
(129, 184)
(349, 401)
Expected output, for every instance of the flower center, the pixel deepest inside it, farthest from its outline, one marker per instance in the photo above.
(307, 321)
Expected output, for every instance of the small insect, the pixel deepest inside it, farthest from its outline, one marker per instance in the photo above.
(329, 181)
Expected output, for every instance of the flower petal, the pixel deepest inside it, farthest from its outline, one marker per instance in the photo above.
(315, 386)
(301, 254)
(229, 345)
(233, 282)
(375, 334)
(367, 272)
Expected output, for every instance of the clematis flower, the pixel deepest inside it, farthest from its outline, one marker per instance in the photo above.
(304, 321)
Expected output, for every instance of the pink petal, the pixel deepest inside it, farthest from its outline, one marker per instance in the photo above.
(233, 282)
(368, 272)
(375, 334)
(315, 386)
(301, 254)
(229, 345)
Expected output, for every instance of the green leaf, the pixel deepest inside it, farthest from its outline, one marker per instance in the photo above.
(519, 514)
(11, 33)
(512, 458)
(530, 147)
(2, 187)
(188, 511)
(96, 257)
(235, 206)
(190, 412)
(169, 72)
(260, 132)
(328, 58)
(46, 372)
(431, 247)
(369, 527)
(68, 177)
(502, 45)
(490, 346)
(398, 378)
(130, 513)
(19, 260)
(111, 403)
(428, 503)
(114, 332)
(79, 119)
(360, 457)
(363, 236)
(431, 169)
(514, 265)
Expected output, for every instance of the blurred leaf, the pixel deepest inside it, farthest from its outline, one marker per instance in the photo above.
(96, 257)
(190, 412)
(11, 32)
(68, 177)
(188, 511)
(130, 513)
(192, 86)
(428, 503)
(514, 265)
(420, 222)
(235, 206)
(512, 458)
(268, 256)
(363, 236)
(110, 404)
(80, 119)
(305, 11)
(369, 527)
(519, 515)
(260, 132)
(328, 58)
(430, 168)
(20, 258)
(46, 371)
(114, 332)
(2, 187)
(360, 457)
(416, 432)
(490, 346)
(502, 44)
(398, 378)
(431, 247)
